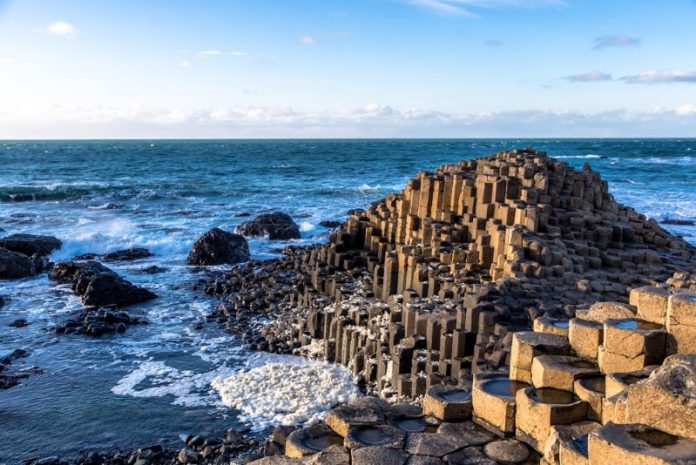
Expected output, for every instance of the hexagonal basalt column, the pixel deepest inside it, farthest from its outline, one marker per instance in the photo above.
(526, 345)
(585, 337)
(343, 417)
(560, 371)
(493, 401)
(592, 391)
(539, 409)
(310, 440)
(375, 435)
(681, 323)
(617, 382)
(574, 452)
(638, 444)
(447, 403)
(631, 345)
(548, 325)
(651, 303)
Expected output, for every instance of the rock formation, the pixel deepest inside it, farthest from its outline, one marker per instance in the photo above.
(427, 285)
(277, 226)
(30, 244)
(217, 247)
(97, 285)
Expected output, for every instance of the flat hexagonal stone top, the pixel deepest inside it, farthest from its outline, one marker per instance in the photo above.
(374, 435)
(377, 455)
(342, 418)
(507, 451)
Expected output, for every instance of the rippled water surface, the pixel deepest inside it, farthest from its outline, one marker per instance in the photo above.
(153, 382)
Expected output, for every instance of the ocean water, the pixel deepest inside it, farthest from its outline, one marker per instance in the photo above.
(154, 382)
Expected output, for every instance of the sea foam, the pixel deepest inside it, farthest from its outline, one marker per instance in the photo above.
(283, 394)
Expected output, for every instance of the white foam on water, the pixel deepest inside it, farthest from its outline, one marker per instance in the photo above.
(589, 156)
(285, 393)
(102, 235)
(188, 388)
(306, 226)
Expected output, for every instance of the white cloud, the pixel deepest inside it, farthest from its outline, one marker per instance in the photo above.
(308, 40)
(688, 109)
(185, 64)
(652, 76)
(237, 53)
(607, 41)
(592, 76)
(209, 53)
(61, 29)
(371, 120)
(465, 7)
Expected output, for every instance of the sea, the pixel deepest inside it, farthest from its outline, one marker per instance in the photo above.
(156, 382)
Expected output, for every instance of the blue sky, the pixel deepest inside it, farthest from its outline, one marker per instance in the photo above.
(347, 68)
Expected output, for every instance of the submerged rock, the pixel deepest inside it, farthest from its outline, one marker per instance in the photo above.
(30, 244)
(126, 255)
(218, 247)
(97, 285)
(277, 226)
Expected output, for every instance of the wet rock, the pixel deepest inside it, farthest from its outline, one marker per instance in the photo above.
(127, 255)
(19, 323)
(15, 265)
(14, 355)
(154, 269)
(330, 224)
(217, 247)
(95, 322)
(242, 215)
(277, 226)
(677, 222)
(188, 455)
(97, 285)
(30, 244)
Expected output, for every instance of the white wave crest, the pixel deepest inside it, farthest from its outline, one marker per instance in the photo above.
(306, 226)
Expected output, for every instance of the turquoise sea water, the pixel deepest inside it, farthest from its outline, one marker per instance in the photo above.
(152, 383)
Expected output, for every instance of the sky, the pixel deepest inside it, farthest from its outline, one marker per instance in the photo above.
(347, 68)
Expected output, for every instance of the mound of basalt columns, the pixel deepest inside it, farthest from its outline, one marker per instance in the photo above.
(426, 287)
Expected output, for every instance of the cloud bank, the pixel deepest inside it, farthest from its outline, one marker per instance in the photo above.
(609, 41)
(592, 76)
(372, 120)
(652, 76)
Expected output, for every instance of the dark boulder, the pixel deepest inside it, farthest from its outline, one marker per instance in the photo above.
(218, 247)
(14, 265)
(19, 323)
(277, 226)
(126, 255)
(330, 224)
(30, 244)
(97, 285)
(153, 269)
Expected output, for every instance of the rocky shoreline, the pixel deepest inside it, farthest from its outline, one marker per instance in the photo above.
(421, 296)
